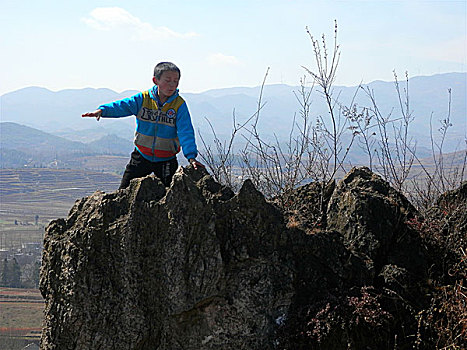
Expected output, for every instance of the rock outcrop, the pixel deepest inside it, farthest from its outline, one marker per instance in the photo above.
(196, 266)
(445, 231)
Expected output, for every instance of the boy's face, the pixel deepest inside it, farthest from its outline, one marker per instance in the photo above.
(167, 84)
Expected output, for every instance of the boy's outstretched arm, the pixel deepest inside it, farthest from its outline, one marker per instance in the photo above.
(96, 114)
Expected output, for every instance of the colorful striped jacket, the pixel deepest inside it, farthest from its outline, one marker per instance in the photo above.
(159, 130)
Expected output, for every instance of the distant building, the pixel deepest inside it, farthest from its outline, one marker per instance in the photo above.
(31, 247)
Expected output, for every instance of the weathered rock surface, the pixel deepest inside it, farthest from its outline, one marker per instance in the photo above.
(373, 268)
(445, 230)
(196, 266)
(372, 218)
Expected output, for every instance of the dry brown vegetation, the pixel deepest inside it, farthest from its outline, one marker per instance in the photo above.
(317, 152)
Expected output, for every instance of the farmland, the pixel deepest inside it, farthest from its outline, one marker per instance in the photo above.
(29, 199)
(21, 313)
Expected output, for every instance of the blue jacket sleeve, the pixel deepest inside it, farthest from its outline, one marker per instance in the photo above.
(122, 108)
(186, 133)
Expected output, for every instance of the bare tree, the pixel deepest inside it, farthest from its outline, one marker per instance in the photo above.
(396, 150)
(324, 77)
(317, 147)
(313, 151)
(438, 178)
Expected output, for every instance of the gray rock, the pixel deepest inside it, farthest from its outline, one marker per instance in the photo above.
(193, 267)
(372, 218)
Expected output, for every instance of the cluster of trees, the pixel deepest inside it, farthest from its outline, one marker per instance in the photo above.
(13, 275)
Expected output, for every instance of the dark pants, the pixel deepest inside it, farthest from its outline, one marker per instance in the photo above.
(140, 167)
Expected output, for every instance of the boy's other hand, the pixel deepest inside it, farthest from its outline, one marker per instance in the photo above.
(96, 114)
(195, 163)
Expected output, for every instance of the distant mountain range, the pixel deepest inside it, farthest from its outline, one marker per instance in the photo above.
(39, 121)
(21, 146)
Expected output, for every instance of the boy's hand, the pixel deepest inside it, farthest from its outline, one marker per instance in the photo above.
(195, 163)
(96, 114)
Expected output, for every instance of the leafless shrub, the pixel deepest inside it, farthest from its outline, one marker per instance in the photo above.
(222, 160)
(338, 320)
(395, 149)
(329, 139)
(316, 150)
(439, 177)
(362, 127)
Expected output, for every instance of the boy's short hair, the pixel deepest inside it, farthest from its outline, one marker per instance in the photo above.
(165, 67)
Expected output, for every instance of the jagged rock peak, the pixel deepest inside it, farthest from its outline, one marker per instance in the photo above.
(190, 267)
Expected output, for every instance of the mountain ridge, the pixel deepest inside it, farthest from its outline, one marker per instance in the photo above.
(60, 112)
(22, 145)
(216, 90)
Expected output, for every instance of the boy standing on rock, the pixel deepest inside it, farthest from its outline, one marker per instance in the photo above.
(163, 124)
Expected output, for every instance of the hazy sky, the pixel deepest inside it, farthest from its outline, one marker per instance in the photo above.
(115, 44)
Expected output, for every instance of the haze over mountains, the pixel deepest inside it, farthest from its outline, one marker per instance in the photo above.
(59, 113)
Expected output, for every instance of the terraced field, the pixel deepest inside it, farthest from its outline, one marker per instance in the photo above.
(30, 198)
(21, 313)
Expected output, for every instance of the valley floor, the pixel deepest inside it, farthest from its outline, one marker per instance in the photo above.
(29, 199)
